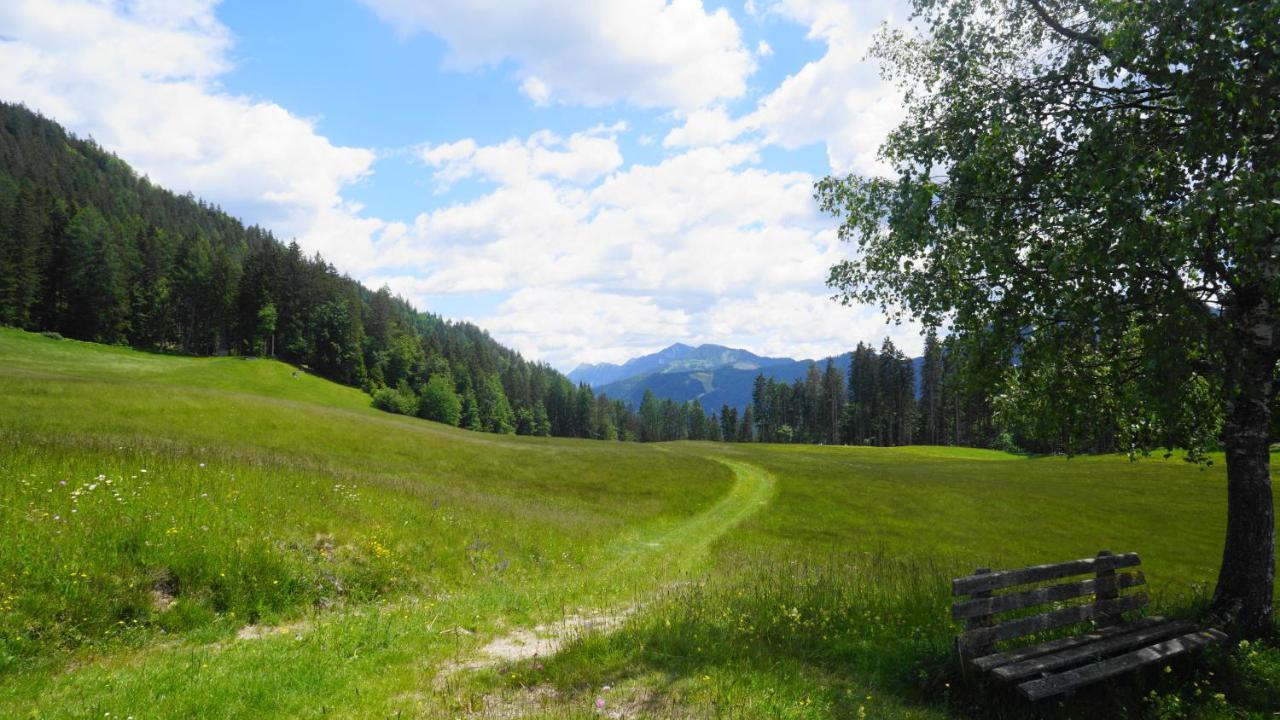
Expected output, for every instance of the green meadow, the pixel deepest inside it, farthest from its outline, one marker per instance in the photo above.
(222, 537)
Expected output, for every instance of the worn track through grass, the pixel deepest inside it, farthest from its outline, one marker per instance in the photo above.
(687, 544)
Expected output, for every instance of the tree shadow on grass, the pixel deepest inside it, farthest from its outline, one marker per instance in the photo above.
(863, 637)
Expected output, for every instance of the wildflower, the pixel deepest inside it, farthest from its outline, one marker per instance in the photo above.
(599, 703)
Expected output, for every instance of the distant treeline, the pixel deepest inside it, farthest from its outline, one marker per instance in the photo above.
(876, 403)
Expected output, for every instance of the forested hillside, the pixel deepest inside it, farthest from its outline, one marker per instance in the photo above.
(91, 250)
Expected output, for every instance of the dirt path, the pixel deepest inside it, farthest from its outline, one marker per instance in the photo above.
(685, 547)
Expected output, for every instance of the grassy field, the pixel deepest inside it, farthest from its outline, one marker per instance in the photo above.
(219, 537)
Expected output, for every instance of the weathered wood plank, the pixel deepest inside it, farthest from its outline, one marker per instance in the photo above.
(977, 621)
(1050, 620)
(1108, 589)
(1091, 652)
(1040, 596)
(1120, 664)
(1005, 657)
(1039, 573)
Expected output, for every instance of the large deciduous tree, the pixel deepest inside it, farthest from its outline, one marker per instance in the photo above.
(1092, 187)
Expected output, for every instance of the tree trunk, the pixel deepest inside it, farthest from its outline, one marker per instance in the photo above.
(1243, 598)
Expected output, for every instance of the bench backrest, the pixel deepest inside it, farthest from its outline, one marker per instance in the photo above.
(981, 610)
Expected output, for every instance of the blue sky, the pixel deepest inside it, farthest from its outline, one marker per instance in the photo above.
(589, 181)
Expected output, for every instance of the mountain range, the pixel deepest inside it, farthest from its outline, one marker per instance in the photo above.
(713, 374)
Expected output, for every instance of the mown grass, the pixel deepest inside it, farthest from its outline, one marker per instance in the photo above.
(369, 553)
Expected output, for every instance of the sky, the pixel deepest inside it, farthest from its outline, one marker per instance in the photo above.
(589, 180)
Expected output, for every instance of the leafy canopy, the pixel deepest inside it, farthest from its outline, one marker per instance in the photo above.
(1086, 190)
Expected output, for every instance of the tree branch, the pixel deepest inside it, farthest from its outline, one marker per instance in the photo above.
(1089, 39)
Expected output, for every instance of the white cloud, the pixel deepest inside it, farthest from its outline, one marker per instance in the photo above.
(712, 126)
(588, 325)
(766, 323)
(140, 77)
(650, 53)
(763, 49)
(536, 90)
(581, 158)
(647, 255)
(838, 99)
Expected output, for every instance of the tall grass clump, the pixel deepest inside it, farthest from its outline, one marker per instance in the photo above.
(116, 546)
(771, 638)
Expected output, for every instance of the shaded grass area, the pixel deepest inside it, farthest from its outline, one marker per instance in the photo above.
(855, 637)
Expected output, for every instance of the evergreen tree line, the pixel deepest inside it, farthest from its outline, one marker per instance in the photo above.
(91, 250)
(876, 403)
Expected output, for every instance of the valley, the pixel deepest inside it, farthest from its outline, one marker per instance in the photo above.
(158, 506)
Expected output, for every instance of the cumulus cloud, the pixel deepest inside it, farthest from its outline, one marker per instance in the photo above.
(711, 126)
(838, 99)
(584, 324)
(703, 245)
(140, 77)
(580, 158)
(649, 53)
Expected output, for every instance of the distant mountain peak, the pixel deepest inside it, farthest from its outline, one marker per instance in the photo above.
(676, 357)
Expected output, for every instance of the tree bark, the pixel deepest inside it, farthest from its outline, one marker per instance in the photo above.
(1244, 595)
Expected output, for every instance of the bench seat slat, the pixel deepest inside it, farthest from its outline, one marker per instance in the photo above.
(1072, 679)
(1093, 651)
(995, 660)
(1040, 596)
(1039, 573)
(1051, 620)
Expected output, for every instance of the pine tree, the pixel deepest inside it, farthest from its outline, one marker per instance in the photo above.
(931, 391)
(470, 418)
(832, 403)
(541, 423)
(697, 421)
(813, 404)
(495, 412)
(650, 418)
(584, 409)
(746, 431)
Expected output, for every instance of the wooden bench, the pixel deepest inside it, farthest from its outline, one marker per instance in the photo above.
(1110, 646)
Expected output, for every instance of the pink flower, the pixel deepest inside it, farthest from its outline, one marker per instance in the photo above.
(599, 703)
